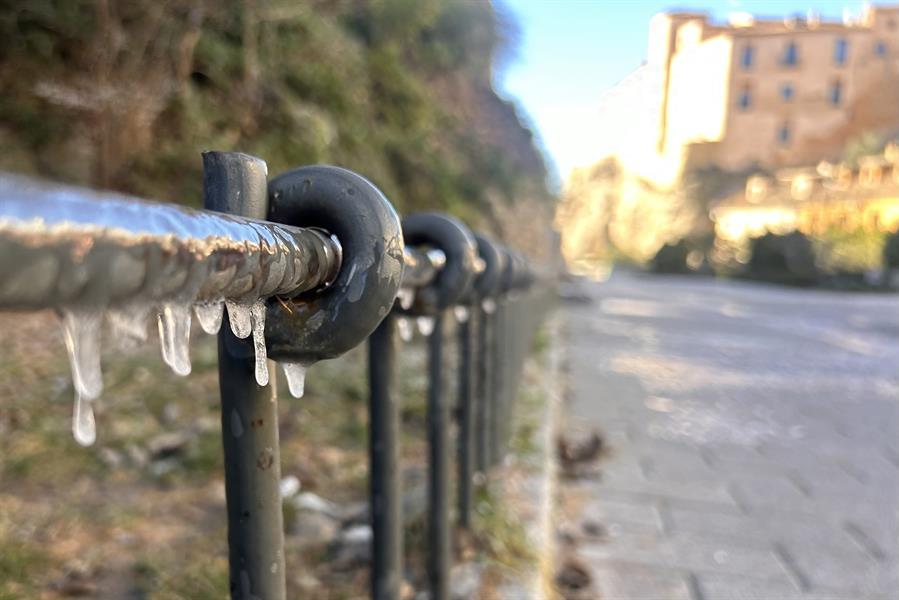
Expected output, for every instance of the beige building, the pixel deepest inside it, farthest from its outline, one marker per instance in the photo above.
(750, 96)
(757, 93)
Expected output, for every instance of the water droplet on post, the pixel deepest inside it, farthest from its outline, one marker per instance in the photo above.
(404, 326)
(461, 314)
(239, 317)
(174, 336)
(425, 325)
(257, 318)
(296, 378)
(209, 315)
(406, 296)
(236, 424)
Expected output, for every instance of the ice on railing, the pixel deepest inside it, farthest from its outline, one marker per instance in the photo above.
(82, 331)
(405, 328)
(240, 319)
(209, 315)
(295, 373)
(174, 336)
(425, 325)
(406, 297)
(257, 319)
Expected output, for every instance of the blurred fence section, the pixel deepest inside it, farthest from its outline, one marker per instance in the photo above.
(300, 268)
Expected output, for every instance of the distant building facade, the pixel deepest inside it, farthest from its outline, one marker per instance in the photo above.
(755, 93)
(815, 200)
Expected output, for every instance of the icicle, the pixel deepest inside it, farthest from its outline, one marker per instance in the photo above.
(209, 315)
(425, 325)
(239, 316)
(406, 296)
(404, 326)
(296, 378)
(81, 330)
(174, 336)
(129, 324)
(82, 336)
(489, 306)
(257, 318)
(461, 313)
(84, 428)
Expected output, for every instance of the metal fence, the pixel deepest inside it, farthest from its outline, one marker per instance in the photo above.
(297, 269)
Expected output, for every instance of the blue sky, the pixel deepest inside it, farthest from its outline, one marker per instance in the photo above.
(571, 51)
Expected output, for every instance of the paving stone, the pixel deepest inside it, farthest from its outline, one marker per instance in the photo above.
(622, 580)
(756, 452)
(847, 570)
(736, 587)
(808, 528)
(688, 552)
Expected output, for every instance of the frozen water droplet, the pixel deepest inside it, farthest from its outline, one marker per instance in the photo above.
(489, 306)
(236, 424)
(84, 428)
(406, 296)
(174, 336)
(209, 315)
(81, 329)
(129, 324)
(296, 378)
(404, 326)
(461, 313)
(425, 325)
(257, 317)
(239, 316)
(290, 486)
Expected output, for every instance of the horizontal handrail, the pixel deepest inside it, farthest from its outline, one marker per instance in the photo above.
(63, 246)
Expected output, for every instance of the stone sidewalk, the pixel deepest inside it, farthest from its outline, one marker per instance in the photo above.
(755, 440)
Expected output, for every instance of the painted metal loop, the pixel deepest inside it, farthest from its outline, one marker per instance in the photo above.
(521, 273)
(455, 280)
(488, 281)
(328, 322)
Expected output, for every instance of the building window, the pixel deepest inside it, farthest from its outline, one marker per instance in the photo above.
(840, 51)
(745, 100)
(791, 54)
(836, 92)
(880, 49)
(747, 57)
(786, 92)
(783, 134)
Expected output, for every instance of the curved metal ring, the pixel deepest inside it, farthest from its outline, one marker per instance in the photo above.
(455, 279)
(327, 323)
(488, 282)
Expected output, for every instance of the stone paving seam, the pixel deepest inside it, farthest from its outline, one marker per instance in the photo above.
(792, 569)
(864, 542)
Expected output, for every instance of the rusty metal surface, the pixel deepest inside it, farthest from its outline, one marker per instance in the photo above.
(65, 246)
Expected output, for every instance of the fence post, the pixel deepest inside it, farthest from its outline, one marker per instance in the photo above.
(387, 560)
(484, 388)
(438, 417)
(498, 378)
(450, 286)
(236, 183)
(465, 445)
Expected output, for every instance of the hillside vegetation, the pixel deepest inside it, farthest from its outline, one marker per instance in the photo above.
(125, 95)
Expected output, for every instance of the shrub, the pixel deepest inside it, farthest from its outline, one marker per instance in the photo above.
(671, 258)
(891, 251)
(788, 259)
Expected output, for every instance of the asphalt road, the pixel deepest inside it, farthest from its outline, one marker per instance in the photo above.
(755, 440)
